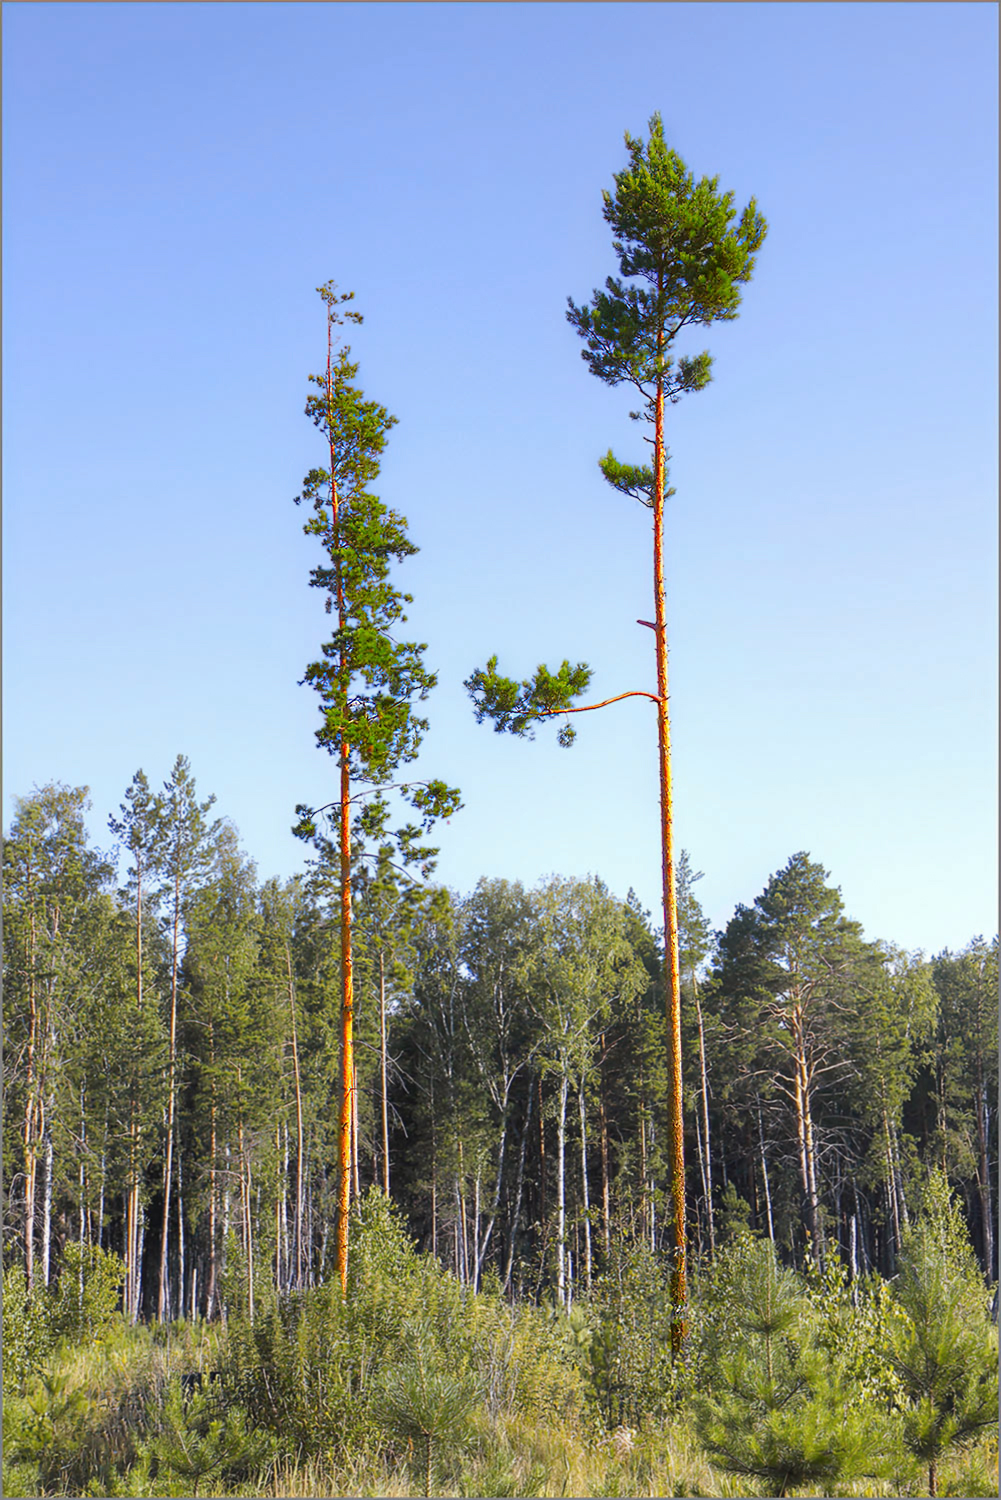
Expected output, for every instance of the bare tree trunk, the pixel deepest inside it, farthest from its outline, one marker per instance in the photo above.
(245, 1204)
(891, 1190)
(349, 1105)
(212, 1277)
(679, 1280)
(644, 1211)
(383, 1073)
(181, 1263)
(162, 1303)
(606, 1215)
(702, 1175)
(354, 1134)
(434, 1183)
(984, 1178)
(460, 1199)
(804, 1129)
(280, 1180)
(495, 1206)
(31, 1108)
(516, 1215)
(132, 1209)
(764, 1175)
(708, 1174)
(561, 1205)
(47, 1207)
(298, 1278)
(586, 1199)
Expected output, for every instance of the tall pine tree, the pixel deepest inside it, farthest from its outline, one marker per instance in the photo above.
(682, 261)
(367, 680)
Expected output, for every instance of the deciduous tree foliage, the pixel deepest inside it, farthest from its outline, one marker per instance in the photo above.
(515, 1039)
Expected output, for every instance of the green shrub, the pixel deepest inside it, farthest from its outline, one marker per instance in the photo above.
(87, 1295)
(27, 1330)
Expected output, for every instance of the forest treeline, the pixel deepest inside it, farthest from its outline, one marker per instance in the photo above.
(171, 1056)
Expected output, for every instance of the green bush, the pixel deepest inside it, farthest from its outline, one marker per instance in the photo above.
(87, 1295)
(313, 1368)
(27, 1330)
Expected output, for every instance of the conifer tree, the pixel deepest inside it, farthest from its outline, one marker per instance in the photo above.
(944, 1351)
(368, 681)
(773, 1406)
(139, 829)
(683, 261)
(185, 840)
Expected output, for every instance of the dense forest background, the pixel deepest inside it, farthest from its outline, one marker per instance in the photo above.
(170, 1065)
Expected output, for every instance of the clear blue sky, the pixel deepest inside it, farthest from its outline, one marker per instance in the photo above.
(179, 178)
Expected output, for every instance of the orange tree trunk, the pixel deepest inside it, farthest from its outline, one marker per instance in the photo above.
(676, 1147)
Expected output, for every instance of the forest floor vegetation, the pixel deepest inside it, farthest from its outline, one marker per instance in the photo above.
(415, 1385)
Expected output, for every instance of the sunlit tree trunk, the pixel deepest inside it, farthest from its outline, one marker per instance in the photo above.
(383, 1073)
(585, 1194)
(561, 1202)
(679, 1284)
(764, 1175)
(705, 1119)
(47, 1207)
(162, 1302)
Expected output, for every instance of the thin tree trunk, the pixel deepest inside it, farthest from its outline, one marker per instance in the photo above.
(132, 1201)
(702, 1176)
(460, 1199)
(516, 1216)
(383, 1073)
(984, 1178)
(481, 1251)
(212, 1278)
(644, 1214)
(354, 1134)
(47, 1207)
(31, 1105)
(245, 1204)
(434, 1182)
(297, 1280)
(679, 1279)
(82, 1177)
(162, 1303)
(582, 1108)
(542, 1157)
(811, 1161)
(705, 1119)
(140, 1247)
(348, 1103)
(280, 1180)
(347, 1031)
(561, 1209)
(181, 1248)
(804, 1128)
(891, 1190)
(103, 1179)
(764, 1175)
(606, 1216)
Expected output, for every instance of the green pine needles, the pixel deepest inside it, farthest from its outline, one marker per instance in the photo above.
(368, 681)
(684, 260)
